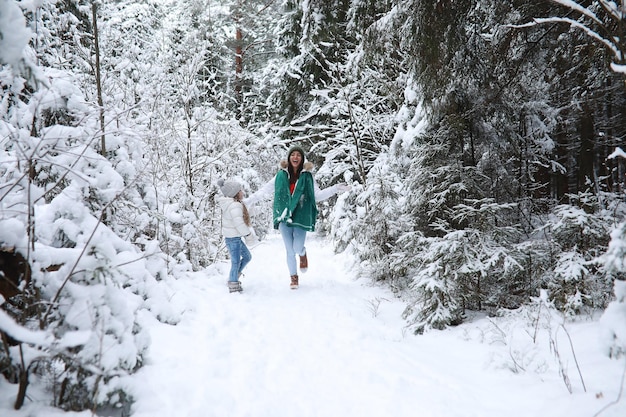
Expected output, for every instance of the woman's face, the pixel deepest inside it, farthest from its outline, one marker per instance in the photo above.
(295, 159)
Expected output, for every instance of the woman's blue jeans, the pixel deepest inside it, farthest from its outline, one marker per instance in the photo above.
(239, 257)
(293, 238)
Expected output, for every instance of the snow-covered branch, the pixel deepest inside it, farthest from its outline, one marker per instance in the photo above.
(580, 9)
(612, 46)
(594, 26)
(588, 31)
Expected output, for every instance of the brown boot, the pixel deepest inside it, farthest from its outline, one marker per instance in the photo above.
(294, 282)
(304, 263)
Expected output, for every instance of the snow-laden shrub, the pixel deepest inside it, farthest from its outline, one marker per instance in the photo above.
(578, 234)
(88, 287)
(436, 301)
(569, 284)
(533, 338)
(461, 270)
(614, 322)
(583, 226)
(374, 228)
(77, 326)
(97, 289)
(614, 317)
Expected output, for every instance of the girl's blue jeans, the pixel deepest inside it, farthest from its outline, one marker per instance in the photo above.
(239, 257)
(293, 238)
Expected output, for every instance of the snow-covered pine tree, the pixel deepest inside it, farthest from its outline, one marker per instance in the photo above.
(614, 317)
(372, 219)
(465, 268)
(613, 262)
(375, 225)
(581, 233)
(437, 299)
(490, 137)
(362, 101)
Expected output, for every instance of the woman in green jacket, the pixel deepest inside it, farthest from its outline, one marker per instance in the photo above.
(295, 210)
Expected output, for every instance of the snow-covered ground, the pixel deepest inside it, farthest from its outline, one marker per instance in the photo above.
(338, 347)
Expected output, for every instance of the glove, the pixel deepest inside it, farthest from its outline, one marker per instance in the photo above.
(342, 188)
(251, 240)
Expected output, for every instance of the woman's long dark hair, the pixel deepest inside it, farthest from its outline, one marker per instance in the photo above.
(293, 176)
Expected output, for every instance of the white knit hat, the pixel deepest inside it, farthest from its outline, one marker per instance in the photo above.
(229, 188)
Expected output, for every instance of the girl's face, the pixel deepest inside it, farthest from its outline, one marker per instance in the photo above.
(295, 159)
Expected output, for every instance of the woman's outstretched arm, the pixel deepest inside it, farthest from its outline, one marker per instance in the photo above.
(266, 191)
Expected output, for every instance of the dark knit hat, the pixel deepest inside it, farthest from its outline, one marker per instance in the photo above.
(229, 188)
(296, 148)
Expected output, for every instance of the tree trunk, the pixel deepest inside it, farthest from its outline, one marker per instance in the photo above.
(96, 42)
(238, 59)
(23, 383)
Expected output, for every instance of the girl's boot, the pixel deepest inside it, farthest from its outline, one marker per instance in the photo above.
(234, 286)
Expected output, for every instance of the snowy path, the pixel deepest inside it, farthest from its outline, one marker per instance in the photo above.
(323, 350)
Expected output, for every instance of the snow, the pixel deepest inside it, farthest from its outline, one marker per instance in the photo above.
(333, 347)
(15, 34)
(617, 153)
(618, 68)
(10, 327)
(338, 346)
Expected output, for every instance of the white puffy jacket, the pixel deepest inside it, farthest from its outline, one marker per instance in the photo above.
(232, 218)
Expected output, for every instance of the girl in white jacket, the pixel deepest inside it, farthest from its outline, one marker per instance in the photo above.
(235, 225)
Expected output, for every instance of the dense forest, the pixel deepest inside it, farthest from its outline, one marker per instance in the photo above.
(483, 141)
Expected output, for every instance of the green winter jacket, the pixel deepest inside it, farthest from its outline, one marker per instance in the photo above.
(299, 209)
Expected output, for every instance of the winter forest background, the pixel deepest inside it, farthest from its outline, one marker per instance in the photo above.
(482, 140)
